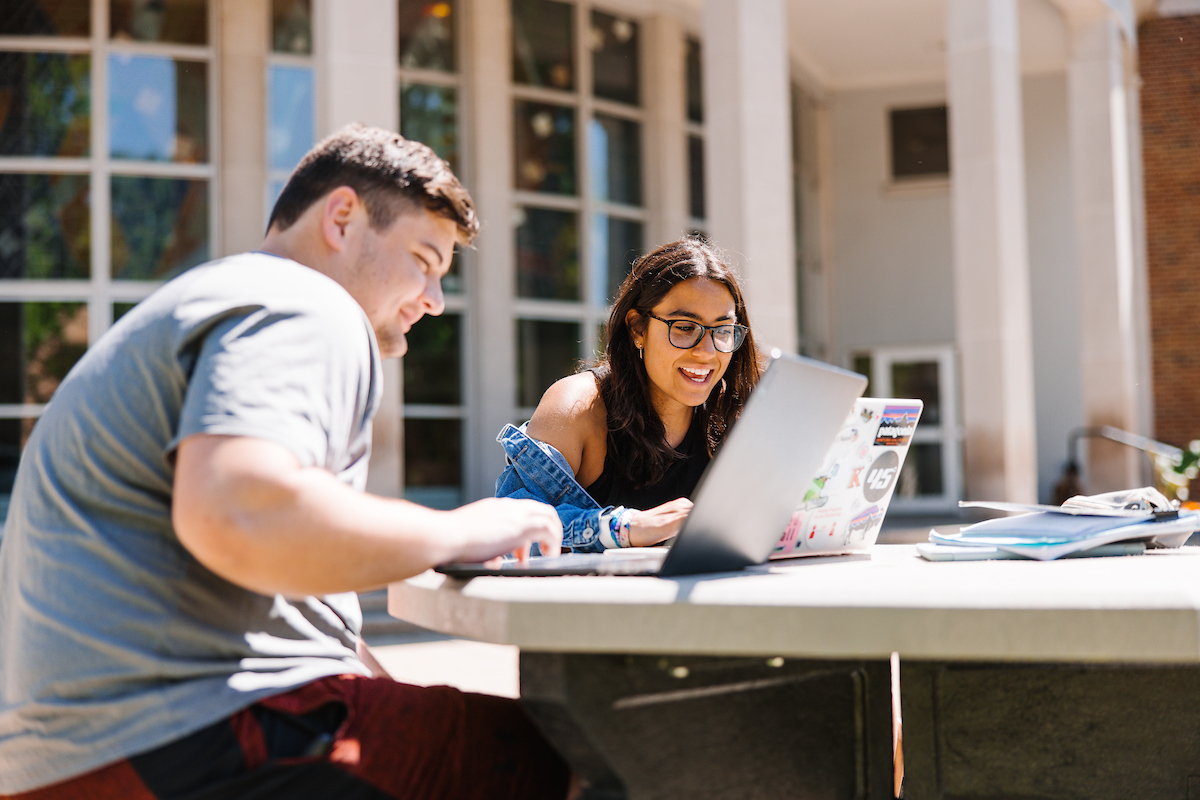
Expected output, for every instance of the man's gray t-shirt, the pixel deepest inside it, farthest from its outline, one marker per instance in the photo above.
(115, 639)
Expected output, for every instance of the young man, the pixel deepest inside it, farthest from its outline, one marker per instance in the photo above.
(188, 525)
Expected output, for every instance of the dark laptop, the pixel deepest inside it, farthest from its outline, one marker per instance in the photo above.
(748, 493)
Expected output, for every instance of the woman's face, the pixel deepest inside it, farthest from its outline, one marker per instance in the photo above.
(684, 378)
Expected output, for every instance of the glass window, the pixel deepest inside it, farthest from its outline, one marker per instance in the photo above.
(920, 142)
(433, 463)
(45, 229)
(548, 254)
(42, 341)
(695, 87)
(291, 130)
(696, 205)
(176, 21)
(545, 148)
(543, 44)
(615, 155)
(615, 58)
(46, 18)
(432, 365)
(616, 244)
(159, 226)
(546, 351)
(921, 475)
(426, 34)
(158, 108)
(919, 380)
(45, 104)
(291, 27)
(429, 114)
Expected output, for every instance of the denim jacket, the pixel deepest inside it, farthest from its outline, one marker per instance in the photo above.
(537, 471)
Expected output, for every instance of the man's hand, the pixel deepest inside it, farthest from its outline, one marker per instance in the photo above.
(658, 524)
(498, 525)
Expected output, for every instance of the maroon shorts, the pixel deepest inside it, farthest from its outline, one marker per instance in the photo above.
(343, 737)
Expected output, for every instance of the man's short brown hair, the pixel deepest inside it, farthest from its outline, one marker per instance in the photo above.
(388, 172)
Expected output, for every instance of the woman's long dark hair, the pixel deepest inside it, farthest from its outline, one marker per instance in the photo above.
(636, 434)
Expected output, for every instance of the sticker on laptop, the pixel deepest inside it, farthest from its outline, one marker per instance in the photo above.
(881, 476)
(897, 425)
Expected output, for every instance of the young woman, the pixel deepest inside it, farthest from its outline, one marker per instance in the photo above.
(618, 447)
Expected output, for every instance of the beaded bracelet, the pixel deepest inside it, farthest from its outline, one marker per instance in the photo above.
(618, 526)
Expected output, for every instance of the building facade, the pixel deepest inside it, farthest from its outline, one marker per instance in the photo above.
(945, 194)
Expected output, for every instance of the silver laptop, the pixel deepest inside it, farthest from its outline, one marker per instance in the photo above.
(843, 508)
(749, 491)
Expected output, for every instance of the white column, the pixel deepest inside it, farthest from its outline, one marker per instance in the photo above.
(665, 101)
(357, 58)
(747, 160)
(491, 322)
(991, 261)
(1112, 271)
(245, 34)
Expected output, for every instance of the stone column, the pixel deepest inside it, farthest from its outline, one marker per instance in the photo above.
(244, 29)
(355, 49)
(1110, 242)
(748, 154)
(665, 83)
(491, 322)
(991, 261)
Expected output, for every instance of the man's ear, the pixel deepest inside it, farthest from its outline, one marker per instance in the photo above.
(338, 211)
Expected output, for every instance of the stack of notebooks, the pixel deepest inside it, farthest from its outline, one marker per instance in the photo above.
(1117, 523)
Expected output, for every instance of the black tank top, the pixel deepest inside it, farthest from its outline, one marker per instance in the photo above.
(681, 477)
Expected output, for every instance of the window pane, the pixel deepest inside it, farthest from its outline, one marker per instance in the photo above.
(121, 309)
(44, 226)
(921, 474)
(616, 160)
(920, 142)
(695, 87)
(429, 114)
(159, 227)
(13, 433)
(919, 379)
(432, 365)
(159, 108)
(46, 18)
(40, 342)
(291, 26)
(696, 205)
(433, 462)
(179, 21)
(548, 254)
(45, 104)
(546, 351)
(616, 244)
(543, 44)
(427, 34)
(290, 127)
(614, 58)
(545, 148)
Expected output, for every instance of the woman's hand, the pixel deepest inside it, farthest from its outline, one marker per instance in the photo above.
(658, 524)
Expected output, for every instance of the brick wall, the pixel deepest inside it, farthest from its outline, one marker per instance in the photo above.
(1169, 55)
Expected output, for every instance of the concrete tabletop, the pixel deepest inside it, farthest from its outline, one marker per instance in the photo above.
(1131, 609)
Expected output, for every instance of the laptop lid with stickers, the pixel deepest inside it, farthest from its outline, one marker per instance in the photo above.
(843, 508)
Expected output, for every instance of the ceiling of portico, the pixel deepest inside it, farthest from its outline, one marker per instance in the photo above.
(851, 44)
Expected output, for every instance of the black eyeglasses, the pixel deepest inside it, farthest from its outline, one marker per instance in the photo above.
(686, 334)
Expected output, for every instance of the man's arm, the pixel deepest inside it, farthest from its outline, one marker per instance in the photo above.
(247, 510)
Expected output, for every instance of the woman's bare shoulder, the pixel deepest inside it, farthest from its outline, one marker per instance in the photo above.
(571, 417)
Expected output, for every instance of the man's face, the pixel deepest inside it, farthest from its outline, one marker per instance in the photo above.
(398, 275)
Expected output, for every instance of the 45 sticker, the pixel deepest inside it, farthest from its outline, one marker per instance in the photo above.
(881, 476)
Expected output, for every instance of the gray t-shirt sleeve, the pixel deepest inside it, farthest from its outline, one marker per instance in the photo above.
(292, 377)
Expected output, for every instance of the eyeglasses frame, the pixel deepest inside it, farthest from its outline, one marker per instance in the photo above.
(704, 330)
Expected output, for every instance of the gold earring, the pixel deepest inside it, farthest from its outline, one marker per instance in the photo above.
(641, 352)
